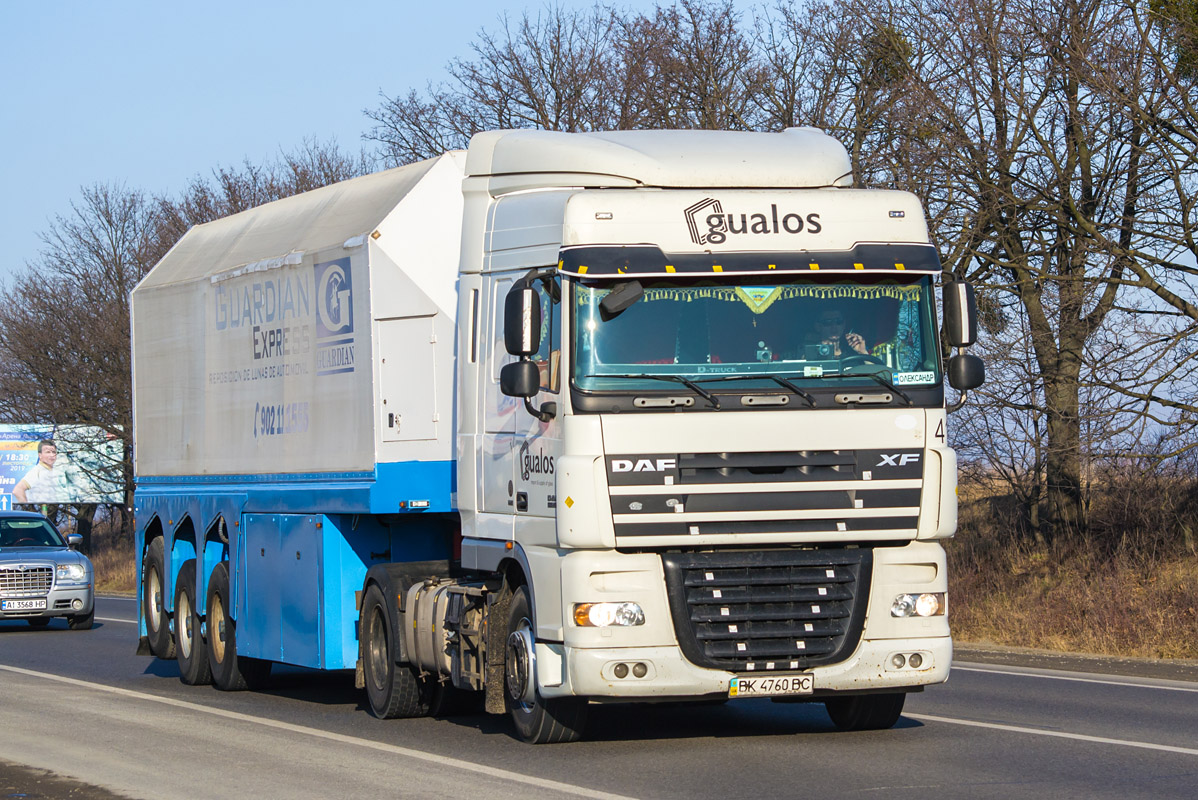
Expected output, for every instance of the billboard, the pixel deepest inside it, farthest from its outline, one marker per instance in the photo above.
(59, 464)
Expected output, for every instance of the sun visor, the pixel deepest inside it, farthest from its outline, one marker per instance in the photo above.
(647, 261)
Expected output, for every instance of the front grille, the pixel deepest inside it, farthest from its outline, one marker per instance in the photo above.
(29, 582)
(657, 499)
(768, 609)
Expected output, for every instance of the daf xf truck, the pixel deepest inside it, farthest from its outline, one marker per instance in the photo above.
(558, 420)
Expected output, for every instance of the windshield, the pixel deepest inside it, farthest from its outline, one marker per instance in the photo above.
(827, 332)
(29, 533)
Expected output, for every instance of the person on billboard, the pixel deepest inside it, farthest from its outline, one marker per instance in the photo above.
(43, 483)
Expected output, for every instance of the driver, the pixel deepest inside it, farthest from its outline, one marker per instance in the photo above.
(829, 328)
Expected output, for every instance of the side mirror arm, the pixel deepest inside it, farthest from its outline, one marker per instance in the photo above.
(545, 413)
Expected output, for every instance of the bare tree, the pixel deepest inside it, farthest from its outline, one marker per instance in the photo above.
(689, 65)
(64, 324)
(552, 70)
(231, 190)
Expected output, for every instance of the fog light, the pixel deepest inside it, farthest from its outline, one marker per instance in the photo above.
(639, 670)
(916, 661)
(621, 670)
(76, 604)
(605, 615)
(898, 660)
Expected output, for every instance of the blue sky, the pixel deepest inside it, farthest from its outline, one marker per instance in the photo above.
(150, 94)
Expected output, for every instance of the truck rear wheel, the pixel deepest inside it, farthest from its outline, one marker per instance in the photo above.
(865, 712)
(393, 690)
(153, 602)
(538, 720)
(189, 645)
(230, 672)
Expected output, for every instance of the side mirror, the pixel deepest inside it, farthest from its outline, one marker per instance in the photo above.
(74, 541)
(960, 314)
(619, 299)
(521, 379)
(965, 372)
(522, 320)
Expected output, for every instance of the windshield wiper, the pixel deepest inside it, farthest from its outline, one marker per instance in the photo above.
(687, 382)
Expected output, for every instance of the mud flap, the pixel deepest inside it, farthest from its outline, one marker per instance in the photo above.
(497, 610)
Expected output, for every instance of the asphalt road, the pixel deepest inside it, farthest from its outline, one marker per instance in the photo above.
(81, 705)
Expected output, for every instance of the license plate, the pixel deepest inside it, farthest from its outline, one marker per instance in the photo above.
(22, 605)
(771, 685)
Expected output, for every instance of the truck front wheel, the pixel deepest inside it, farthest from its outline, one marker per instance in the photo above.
(393, 690)
(865, 712)
(538, 720)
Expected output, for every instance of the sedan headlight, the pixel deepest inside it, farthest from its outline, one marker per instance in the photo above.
(71, 573)
(605, 615)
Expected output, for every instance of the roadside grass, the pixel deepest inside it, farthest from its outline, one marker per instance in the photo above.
(112, 558)
(1125, 590)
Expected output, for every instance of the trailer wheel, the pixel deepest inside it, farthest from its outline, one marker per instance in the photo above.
(865, 712)
(230, 672)
(189, 645)
(538, 720)
(393, 690)
(153, 602)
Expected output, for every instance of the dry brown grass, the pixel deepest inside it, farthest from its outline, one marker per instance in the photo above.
(112, 557)
(1122, 591)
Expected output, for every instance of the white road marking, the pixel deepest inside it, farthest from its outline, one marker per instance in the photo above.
(442, 761)
(115, 619)
(1167, 748)
(1056, 675)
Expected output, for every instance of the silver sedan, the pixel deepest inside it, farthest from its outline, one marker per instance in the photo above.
(41, 575)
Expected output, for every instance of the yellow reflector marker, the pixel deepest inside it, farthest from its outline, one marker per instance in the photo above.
(716, 268)
(773, 266)
(670, 268)
(582, 270)
(814, 266)
(858, 266)
(899, 266)
(560, 262)
(569, 502)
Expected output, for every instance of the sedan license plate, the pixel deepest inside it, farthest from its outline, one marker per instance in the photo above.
(771, 685)
(23, 605)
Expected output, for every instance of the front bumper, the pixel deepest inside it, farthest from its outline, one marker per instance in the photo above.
(668, 675)
(60, 602)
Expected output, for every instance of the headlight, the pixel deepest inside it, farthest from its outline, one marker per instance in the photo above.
(929, 604)
(604, 615)
(71, 573)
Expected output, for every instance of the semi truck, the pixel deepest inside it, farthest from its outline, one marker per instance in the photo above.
(561, 419)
